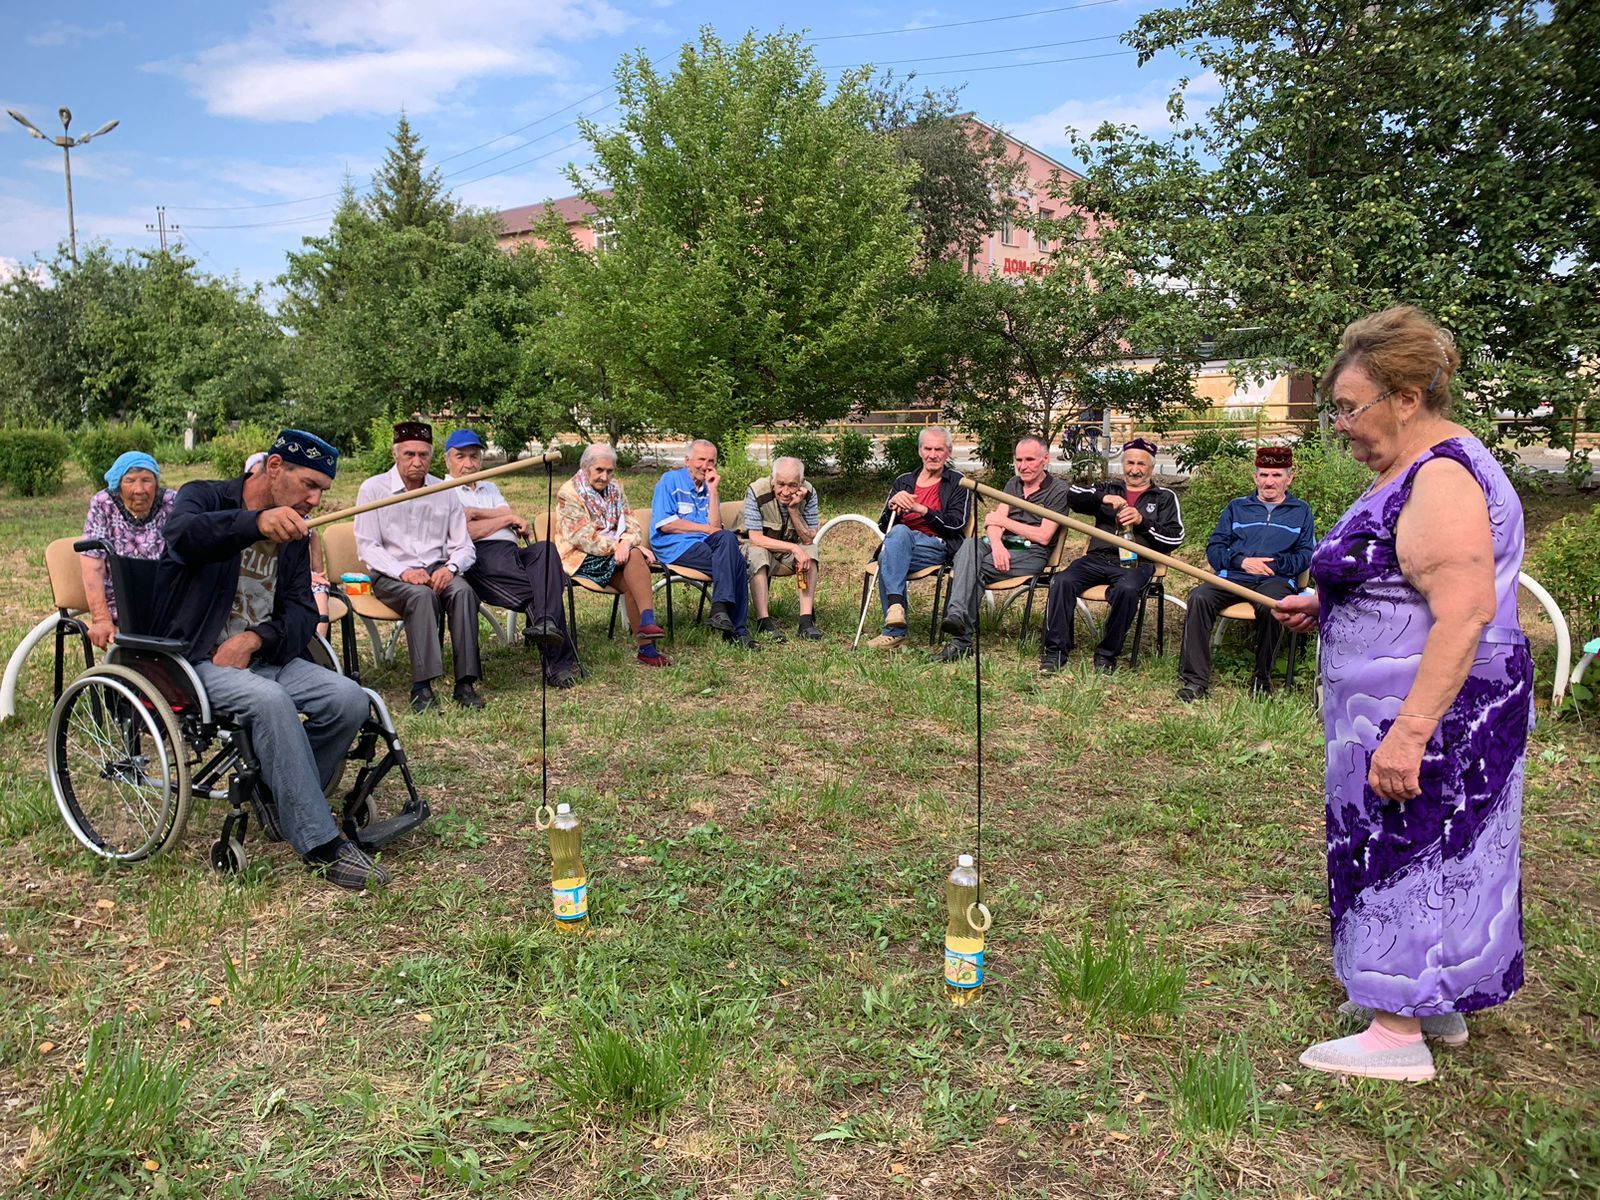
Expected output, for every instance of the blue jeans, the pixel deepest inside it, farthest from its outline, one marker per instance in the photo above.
(298, 759)
(720, 557)
(904, 550)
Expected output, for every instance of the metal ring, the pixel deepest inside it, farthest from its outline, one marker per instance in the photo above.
(547, 814)
(988, 917)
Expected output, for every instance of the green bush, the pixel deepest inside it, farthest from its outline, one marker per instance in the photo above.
(736, 470)
(1209, 445)
(1567, 562)
(171, 452)
(229, 451)
(900, 452)
(34, 461)
(852, 451)
(1325, 477)
(809, 448)
(377, 455)
(97, 446)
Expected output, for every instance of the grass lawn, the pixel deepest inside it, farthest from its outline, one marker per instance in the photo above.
(758, 1009)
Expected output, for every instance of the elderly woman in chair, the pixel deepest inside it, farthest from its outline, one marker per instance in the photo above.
(598, 538)
(129, 514)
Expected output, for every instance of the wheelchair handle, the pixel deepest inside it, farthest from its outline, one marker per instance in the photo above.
(84, 545)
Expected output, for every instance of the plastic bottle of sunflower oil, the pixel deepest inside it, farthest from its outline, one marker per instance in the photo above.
(569, 885)
(963, 944)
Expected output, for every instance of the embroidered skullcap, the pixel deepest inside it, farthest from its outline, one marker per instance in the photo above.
(1280, 457)
(130, 460)
(301, 449)
(1140, 443)
(413, 431)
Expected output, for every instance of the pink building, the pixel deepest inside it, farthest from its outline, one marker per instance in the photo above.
(516, 224)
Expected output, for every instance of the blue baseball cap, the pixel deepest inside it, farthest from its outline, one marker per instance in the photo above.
(461, 439)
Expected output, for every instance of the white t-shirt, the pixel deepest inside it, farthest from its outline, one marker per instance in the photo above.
(484, 494)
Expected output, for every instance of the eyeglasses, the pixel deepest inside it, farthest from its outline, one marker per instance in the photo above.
(1347, 416)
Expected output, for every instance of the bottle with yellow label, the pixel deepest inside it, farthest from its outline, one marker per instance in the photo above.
(963, 944)
(569, 885)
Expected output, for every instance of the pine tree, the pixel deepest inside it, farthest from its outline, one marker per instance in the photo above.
(404, 196)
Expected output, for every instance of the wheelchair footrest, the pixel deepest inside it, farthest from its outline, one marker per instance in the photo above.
(381, 833)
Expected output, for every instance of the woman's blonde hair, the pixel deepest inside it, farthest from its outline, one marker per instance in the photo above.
(1397, 348)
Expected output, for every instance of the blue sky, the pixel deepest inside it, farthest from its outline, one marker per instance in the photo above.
(243, 119)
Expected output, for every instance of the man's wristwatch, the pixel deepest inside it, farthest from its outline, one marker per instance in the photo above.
(452, 568)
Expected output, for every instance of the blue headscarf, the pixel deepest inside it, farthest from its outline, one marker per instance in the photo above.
(131, 460)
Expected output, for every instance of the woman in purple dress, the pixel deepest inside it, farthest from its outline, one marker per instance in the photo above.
(130, 514)
(1428, 687)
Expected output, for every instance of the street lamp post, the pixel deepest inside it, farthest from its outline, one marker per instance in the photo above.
(67, 142)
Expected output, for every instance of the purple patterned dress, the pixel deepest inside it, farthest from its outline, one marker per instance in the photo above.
(1425, 897)
(129, 536)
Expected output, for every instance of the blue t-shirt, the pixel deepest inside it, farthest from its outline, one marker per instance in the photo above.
(678, 498)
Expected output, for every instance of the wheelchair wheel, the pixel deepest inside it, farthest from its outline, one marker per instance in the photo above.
(118, 765)
(228, 857)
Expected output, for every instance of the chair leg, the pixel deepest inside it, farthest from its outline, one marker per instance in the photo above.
(1294, 653)
(1138, 631)
(672, 634)
(1161, 619)
(933, 619)
(700, 609)
(611, 633)
(1027, 607)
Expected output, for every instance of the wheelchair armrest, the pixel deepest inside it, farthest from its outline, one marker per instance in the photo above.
(157, 645)
(84, 545)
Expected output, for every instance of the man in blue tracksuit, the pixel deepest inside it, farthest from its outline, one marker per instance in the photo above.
(1263, 542)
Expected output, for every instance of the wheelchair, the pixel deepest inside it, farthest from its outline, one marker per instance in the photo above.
(133, 740)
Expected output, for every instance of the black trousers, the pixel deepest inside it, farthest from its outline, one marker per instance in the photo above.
(1125, 585)
(1205, 603)
(530, 580)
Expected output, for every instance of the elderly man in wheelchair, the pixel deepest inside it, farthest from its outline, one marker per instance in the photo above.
(217, 657)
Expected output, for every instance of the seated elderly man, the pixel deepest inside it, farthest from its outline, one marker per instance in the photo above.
(527, 579)
(686, 531)
(1262, 541)
(130, 514)
(1133, 508)
(781, 519)
(418, 552)
(1014, 543)
(234, 586)
(925, 519)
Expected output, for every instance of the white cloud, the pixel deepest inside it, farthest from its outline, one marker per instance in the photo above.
(32, 227)
(1145, 109)
(62, 33)
(312, 58)
(11, 268)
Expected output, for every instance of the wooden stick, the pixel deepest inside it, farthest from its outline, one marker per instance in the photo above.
(1166, 560)
(521, 464)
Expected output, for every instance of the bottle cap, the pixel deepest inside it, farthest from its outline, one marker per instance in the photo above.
(964, 860)
(563, 809)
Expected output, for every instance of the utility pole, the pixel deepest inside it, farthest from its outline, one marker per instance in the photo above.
(161, 227)
(66, 141)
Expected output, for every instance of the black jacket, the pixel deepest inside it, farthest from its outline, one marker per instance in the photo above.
(1162, 526)
(199, 573)
(949, 520)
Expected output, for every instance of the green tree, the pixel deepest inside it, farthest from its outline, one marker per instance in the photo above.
(1359, 155)
(406, 195)
(965, 184)
(1028, 355)
(757, 247)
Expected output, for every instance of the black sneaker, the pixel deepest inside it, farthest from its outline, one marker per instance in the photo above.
(721, 620)
(1104, 665)
(1190, 692)
(743, 643)
(954, 626)
(543, 633)
(467, 695)
(809, 632)
(1051, 663)
(768, 632)
(953, 652)
(564, 679)
(350, 867)
(422, 698)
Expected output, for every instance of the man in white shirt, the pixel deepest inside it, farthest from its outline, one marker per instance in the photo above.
(418, 552)
(528, 579)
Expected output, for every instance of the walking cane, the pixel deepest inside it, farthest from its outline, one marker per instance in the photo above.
(867, 603)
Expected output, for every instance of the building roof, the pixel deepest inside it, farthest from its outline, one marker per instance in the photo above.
(1053, 161)
(571, 209)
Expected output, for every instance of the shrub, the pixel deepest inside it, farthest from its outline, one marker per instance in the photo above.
(376, 455)
(1325, 477)
(230, 450)
(735, 468)
(170, 451)
(97, 446)
(809, 448)
(34, 461)
(852, 450)
(1567, 562)
(900, 452)
(1210, 444)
